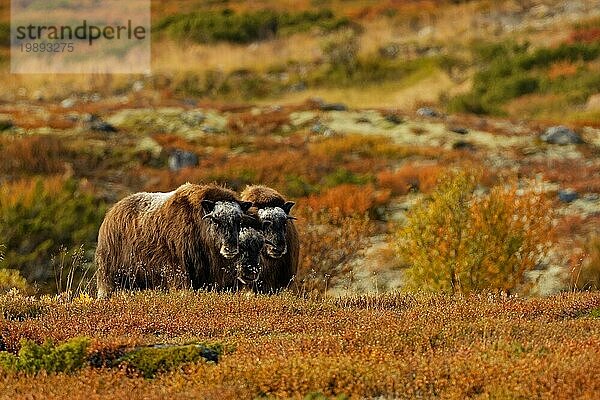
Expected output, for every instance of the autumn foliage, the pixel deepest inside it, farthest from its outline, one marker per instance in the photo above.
(388, 346)
(330, 241)
(460, 240)
(348, 200)
(31, 155)
(410, 177)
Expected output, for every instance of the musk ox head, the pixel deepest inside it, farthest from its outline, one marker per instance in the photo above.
(247, 264)
(274, 231)
(225, 218)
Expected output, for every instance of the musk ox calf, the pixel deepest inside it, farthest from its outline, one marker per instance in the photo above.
(181, 239)
(246, 268)
(281, 253)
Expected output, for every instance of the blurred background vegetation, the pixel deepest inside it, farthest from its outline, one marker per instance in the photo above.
(355, 109)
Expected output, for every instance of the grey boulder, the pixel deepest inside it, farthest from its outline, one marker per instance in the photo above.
(561, 135)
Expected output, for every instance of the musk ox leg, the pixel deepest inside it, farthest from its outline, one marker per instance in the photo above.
(104, 290)
(103, 282)
(179, 279)
(102, 293)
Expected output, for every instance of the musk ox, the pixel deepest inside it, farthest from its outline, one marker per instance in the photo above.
(246, 267)
(281, 253)
(180, 239)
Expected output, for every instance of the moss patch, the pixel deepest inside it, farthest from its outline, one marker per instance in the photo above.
(595, 313)
(33, 358)
(161, 358)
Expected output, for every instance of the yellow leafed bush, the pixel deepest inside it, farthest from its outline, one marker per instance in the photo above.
(457, 241)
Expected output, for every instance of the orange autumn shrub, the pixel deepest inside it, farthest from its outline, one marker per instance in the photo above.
(268, 168)
(410, 177)
(589, 35)
(352, 145)
(573, 173)
(457, 241)
(170, 142)
(347, 200)
(31, 155)
(562, 69)
(330, 242)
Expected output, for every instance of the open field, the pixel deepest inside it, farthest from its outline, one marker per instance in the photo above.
(356, 171)
(444, 158)
(387, 346)
(406, 53)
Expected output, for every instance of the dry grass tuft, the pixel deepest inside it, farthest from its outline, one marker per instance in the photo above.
(31, 155)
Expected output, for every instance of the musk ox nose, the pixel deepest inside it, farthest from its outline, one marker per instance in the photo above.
(229, 252)
(249, 274)
(275, 252)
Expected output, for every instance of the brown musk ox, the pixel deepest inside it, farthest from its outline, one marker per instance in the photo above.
(246, 268)
(181, 239)
(281, 253)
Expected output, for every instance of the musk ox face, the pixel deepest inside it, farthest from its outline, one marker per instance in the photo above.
(247, 264)
(274, 231)
(225, 217)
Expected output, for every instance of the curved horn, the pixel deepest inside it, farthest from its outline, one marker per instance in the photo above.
(288, 206)
(270, 243)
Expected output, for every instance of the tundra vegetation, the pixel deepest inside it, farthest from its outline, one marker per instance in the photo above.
(394, 345)
(447, 247)
(459, 241)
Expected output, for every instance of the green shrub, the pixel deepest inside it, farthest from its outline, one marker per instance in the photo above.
(544, 57)
(342, 176)
(206, 27)
(12, 279)
(237, 84)
(371, 69)
(297, 186)
(152, 360)
(457, 241)
(340, 50)
(43, 219)
(509, 70)
(577, 87)
(33, 358)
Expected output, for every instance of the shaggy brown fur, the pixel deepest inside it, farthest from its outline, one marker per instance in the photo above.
(276, 273)
(160, 240)
(263, 196)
